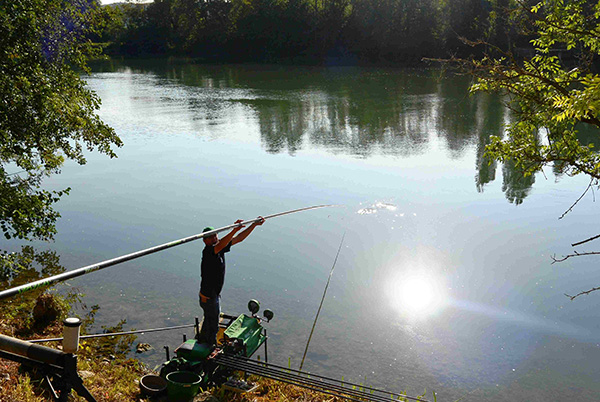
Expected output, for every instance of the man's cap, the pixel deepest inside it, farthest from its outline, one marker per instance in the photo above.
(207, 229)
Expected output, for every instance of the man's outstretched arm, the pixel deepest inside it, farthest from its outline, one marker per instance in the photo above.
(240, 237)
(222, 243)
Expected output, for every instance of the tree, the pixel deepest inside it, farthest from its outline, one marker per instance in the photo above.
(554, 93)
(47, 114)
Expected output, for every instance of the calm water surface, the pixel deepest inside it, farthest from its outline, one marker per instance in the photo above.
(444, 282)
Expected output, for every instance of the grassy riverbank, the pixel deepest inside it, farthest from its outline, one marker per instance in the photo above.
(107, 371)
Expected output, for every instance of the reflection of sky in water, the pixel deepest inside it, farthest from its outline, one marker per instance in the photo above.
(485, 318)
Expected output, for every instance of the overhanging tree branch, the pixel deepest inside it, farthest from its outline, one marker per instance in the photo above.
(575, 254)
(576, 202)
(585, 241)
(547, 93)
(587, 292)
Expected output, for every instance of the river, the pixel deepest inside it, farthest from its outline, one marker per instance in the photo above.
(445, 280)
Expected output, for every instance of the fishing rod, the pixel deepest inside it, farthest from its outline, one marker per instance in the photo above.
(322, 300)
(114, 261)
(312, 381)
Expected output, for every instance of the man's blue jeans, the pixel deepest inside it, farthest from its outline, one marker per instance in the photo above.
(210, 325)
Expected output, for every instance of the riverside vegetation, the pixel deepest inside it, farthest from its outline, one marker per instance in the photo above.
(307, 31)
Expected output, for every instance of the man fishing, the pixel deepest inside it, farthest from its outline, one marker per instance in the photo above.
(213, 276)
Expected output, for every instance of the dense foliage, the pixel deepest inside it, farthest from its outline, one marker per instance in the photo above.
(555, 93)
(47, 114)
(331, 31)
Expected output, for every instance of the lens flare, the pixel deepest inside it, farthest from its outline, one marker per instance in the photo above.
(418, 295)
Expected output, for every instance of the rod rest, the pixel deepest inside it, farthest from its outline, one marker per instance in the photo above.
(35, 352)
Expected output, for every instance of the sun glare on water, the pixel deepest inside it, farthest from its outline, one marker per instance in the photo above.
(417, 295)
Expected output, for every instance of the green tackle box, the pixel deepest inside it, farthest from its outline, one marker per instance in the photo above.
(249, 331)
(193, 351)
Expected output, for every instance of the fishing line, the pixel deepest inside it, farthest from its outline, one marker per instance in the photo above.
(137, 331)
(322, 299)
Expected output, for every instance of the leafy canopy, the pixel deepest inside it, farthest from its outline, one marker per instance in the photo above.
(47, 114)
(554, 93)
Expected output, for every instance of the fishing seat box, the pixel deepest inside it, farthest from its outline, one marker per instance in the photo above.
(249, 331)
(193, 351)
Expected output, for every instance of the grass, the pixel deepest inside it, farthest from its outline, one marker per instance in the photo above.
(107, 372)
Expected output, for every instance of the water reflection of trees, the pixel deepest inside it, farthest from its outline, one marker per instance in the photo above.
(488, 124)
(514, 185)
(23, 267)
(366, 112)
(373, 112)
(357, 111)
(27, 265)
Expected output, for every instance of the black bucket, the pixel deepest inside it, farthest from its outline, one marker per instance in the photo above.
(153, 385)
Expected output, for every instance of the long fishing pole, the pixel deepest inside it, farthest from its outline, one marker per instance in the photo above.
(114, 261)
(322, 300)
